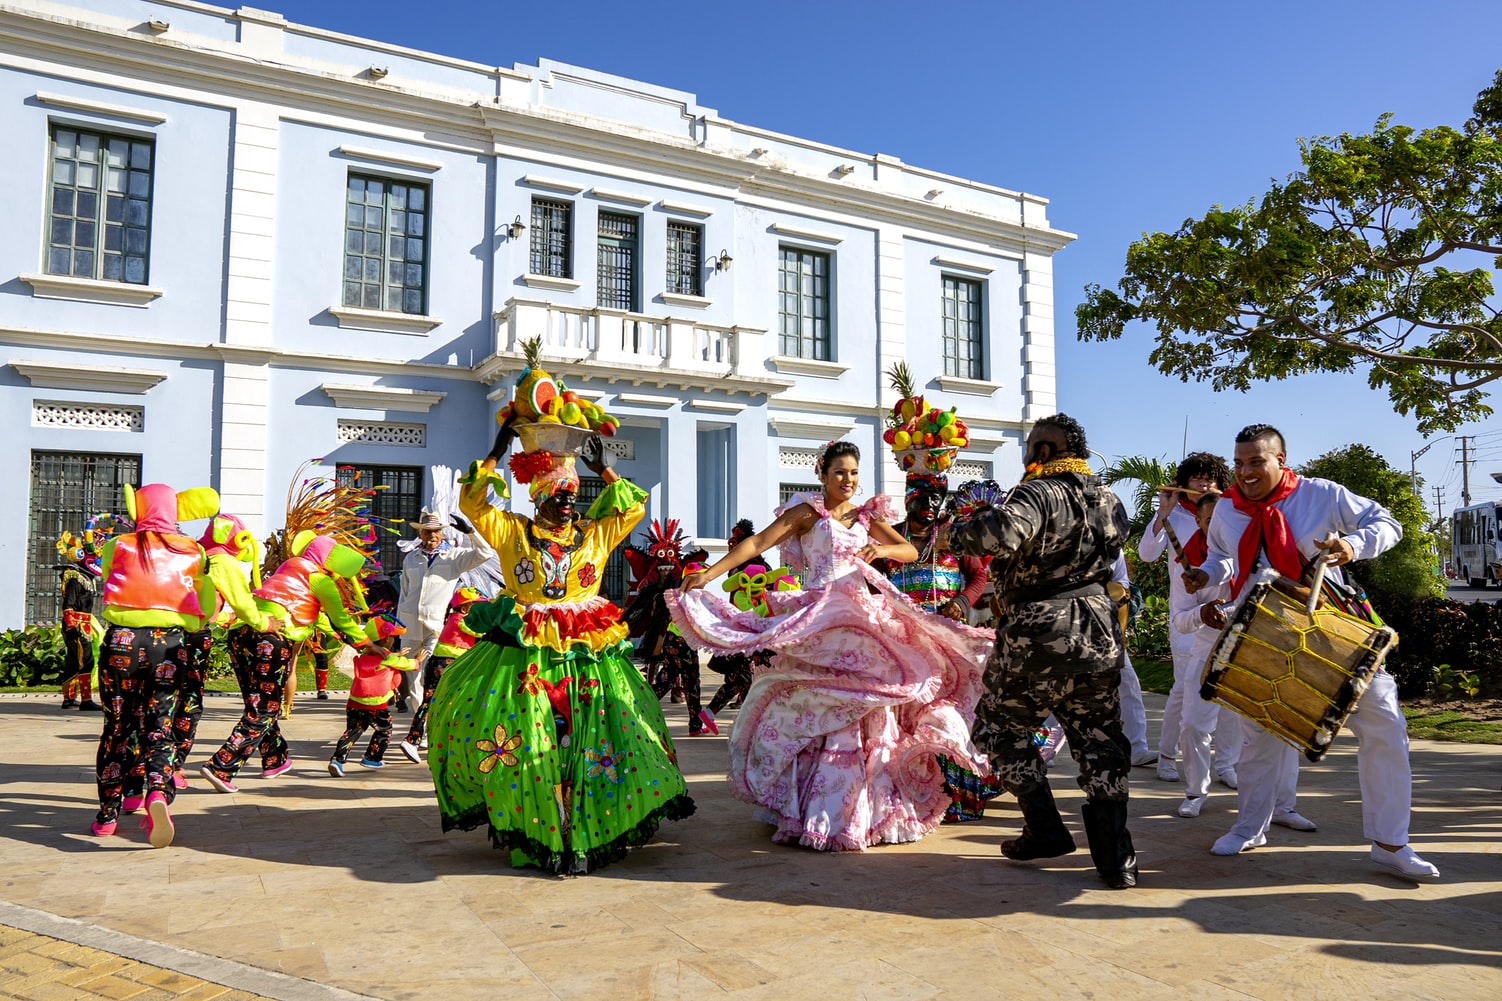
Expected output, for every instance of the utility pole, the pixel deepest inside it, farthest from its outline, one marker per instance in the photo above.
(1439, 505)
(1465, 469)
(1413, 465)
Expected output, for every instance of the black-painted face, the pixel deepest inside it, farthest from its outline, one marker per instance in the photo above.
(558, 509)
(924, 506)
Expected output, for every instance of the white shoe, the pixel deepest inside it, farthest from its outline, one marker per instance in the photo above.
(1235, 844)
(422, 745)
(1167, 770)
(1191, 806)
(1404, 862)
(1294, 821)
(1227, 778)
(1144, 758)
(410, 750)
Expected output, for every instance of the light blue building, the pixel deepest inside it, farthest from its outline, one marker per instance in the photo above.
(235, 244)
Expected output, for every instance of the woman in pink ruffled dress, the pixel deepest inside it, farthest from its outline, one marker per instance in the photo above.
(836, 741)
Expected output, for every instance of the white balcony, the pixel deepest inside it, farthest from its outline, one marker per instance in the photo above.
(617, 346)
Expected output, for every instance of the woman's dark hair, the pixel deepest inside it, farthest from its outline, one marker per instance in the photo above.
(833, 451)
(1203, 464)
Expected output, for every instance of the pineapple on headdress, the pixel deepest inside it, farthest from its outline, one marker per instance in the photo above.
(926, 440)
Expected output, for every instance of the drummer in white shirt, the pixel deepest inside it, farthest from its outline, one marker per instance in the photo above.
(1272, 516)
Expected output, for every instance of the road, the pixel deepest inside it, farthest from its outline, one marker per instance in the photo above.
(1463, 592)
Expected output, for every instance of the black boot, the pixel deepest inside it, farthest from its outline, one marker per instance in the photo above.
(1110, 842)
(1043, 832)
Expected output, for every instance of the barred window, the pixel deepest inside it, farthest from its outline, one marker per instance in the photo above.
(804, 304)
(685, 259)
(552, 238)
(100, 217)
(401, 497)
(67, 489)
(386, 245)
(785, 491)
(619, 255)
(963, 330)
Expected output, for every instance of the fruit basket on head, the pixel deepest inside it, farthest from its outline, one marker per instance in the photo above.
(547, 415)
(548, 437)
(925, 440)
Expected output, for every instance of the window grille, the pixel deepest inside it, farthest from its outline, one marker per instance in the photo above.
(803, 305)
(785, 491)
(401, 498)
(551, 247)
(90, 416)
(67, 489)
(100, 216)
(386, 245)
(618, 255)
(963, 355)
(382, 433)
(614, 581)
(685, 259)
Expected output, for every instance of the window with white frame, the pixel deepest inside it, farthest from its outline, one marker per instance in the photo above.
(685, 258)
(99, 222)
(552, 238)
(618, 272)
(964, 331)
(386, 244)
(803, 310)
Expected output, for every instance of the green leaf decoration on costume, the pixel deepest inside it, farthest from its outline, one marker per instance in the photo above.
(477, 478)
(496, 620)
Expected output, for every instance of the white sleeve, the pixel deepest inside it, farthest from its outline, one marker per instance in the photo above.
(1221, 543)
(1368, 526)
(1152, 545)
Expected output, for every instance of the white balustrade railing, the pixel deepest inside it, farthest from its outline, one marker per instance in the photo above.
(611, 336)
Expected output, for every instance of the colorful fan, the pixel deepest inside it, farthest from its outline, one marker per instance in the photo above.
(973, 498)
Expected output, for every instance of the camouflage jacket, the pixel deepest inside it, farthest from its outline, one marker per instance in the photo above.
(1053, 541)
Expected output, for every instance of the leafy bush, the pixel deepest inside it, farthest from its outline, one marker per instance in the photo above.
(1445, 648)
(31, 656)
(1148, 637)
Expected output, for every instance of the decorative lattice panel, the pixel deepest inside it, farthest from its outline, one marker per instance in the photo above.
(962, 471)
(90, 416)
(621, 448)
(382, 433)
(797, 458)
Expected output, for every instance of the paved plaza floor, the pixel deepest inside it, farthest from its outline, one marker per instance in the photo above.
(306, 888)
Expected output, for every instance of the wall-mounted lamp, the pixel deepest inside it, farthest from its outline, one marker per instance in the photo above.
(515, 227)
(156, 25)
(378, 72)
(760, 151)
(722, 263)
(845, 169)
(934, 192)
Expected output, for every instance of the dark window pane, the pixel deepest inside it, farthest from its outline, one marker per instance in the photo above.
(62, 201)
(135, 269)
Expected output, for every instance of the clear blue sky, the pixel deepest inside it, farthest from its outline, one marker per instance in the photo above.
(1129, 117)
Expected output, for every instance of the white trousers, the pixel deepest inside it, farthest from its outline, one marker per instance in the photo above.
(1168, 737)
(1269, 768)
(1133, 712)
(1226, 726)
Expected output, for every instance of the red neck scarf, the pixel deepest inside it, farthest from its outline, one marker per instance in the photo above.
(1196, 549)
(1268, 530)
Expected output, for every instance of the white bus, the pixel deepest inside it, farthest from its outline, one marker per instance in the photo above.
(1475, 543)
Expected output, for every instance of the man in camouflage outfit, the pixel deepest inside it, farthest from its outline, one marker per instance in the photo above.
(1058, 646)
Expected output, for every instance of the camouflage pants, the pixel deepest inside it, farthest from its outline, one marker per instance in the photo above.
(1087, 707)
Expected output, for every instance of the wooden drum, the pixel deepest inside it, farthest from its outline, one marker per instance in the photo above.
(1298, 676)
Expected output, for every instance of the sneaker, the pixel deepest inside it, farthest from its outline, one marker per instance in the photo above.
(1167, 770)
(1235, 844)
(1191, 806)
(1294, 821)
(214, 779)
(423, 744)
(90, 706)
(323, 696)
(371, 763)
(1404, 862)
(281, 769)
(708, 721)
(336, 768)
(70, 703)
(410, 750)
(1144, 758)
(1227, 778)
(179, 779)
(103, 830)
(158, 821)
(132, 804)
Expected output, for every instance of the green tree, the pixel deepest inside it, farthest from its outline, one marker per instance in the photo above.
(1411, 568)
(1378, 254)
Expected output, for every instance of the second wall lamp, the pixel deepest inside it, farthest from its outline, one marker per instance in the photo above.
(722, 263)
(515, 228)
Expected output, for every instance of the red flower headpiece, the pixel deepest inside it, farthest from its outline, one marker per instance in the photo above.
(527, 466)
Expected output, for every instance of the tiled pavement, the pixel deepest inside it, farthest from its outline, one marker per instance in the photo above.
(309, 887)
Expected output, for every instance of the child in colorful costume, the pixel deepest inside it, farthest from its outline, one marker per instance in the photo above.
(377, 676)
(453, 640)
(305, 584)
(82, 632)
(671, 665)
(545, 731)
(736, 667)
(837, 742)
(155, 592)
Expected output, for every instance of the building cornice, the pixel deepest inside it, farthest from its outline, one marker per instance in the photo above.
(110, 379)
(414, 401)
(499, 366)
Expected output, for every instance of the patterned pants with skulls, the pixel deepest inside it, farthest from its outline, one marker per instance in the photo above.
(1087, 707)
(138, 690)
(261, 664)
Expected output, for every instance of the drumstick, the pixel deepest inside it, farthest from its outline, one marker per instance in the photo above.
(1173, 541)
(1319, 577)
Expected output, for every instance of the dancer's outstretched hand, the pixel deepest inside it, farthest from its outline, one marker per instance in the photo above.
(693, 581)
